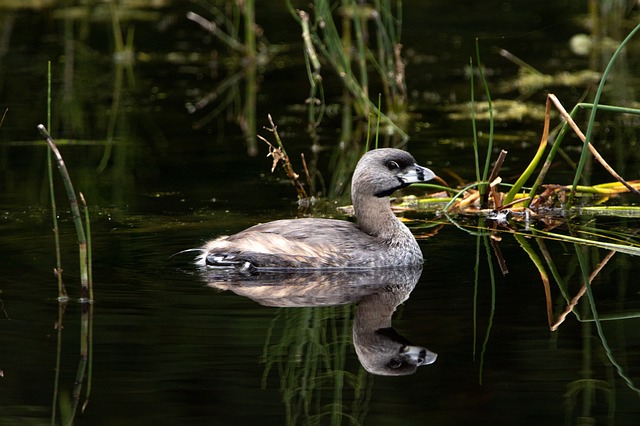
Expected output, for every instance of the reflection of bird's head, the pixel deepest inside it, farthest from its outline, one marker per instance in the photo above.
(380, 349)
(387, 353)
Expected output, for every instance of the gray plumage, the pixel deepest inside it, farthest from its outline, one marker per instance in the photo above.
(379, 239)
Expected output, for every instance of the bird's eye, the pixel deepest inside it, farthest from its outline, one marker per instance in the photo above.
(392, 165)
(394, 363)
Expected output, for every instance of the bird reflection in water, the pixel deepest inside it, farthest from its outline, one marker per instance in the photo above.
(376, 292)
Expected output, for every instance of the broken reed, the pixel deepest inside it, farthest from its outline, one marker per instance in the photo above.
(84, 249)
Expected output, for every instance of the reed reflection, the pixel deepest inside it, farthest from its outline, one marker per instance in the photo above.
(376, 294)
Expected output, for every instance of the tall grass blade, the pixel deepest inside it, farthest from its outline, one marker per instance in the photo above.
(62, 293)
(596, 102)
(487, 162)
(476, 148)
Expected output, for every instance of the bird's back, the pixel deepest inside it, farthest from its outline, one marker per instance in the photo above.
(307, 243)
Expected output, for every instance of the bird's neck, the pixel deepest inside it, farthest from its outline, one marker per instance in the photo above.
(376, 218)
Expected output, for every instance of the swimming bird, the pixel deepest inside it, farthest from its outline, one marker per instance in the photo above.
(379, 239)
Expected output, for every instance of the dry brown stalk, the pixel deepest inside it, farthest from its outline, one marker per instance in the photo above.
(583, 138)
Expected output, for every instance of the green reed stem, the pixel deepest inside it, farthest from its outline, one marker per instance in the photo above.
(536, 158)
(62, 293)
(487, 162)
(547, 164)
(251, 70)
(592, 116)
(361, 49)
(75, 212)
(476, 148)
(329, 44)
(313, 67)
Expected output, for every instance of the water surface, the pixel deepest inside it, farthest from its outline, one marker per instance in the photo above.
(168, 349)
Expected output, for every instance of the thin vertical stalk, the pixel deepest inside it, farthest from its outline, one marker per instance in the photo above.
(313, 71)
(251, 87)
(547, 164)
(476, 148)
(117, 88)
(487, 162)
(75, 211)
(346, 133)
(62, 293)
(361, 48)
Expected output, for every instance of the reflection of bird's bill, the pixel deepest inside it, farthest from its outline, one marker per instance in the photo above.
(419, 355)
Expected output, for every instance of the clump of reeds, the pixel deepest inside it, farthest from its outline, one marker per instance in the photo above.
(250, 53)
(500, 208)
(484, 195)
(350, 50)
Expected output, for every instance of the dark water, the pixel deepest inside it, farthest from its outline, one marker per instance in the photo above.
(168, 349)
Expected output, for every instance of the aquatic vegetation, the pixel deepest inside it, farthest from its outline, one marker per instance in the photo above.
(279, 155)
(69, 408)
(250, 52)
(83, 242)
(489, 199)
(560, 213)
(351, 54)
